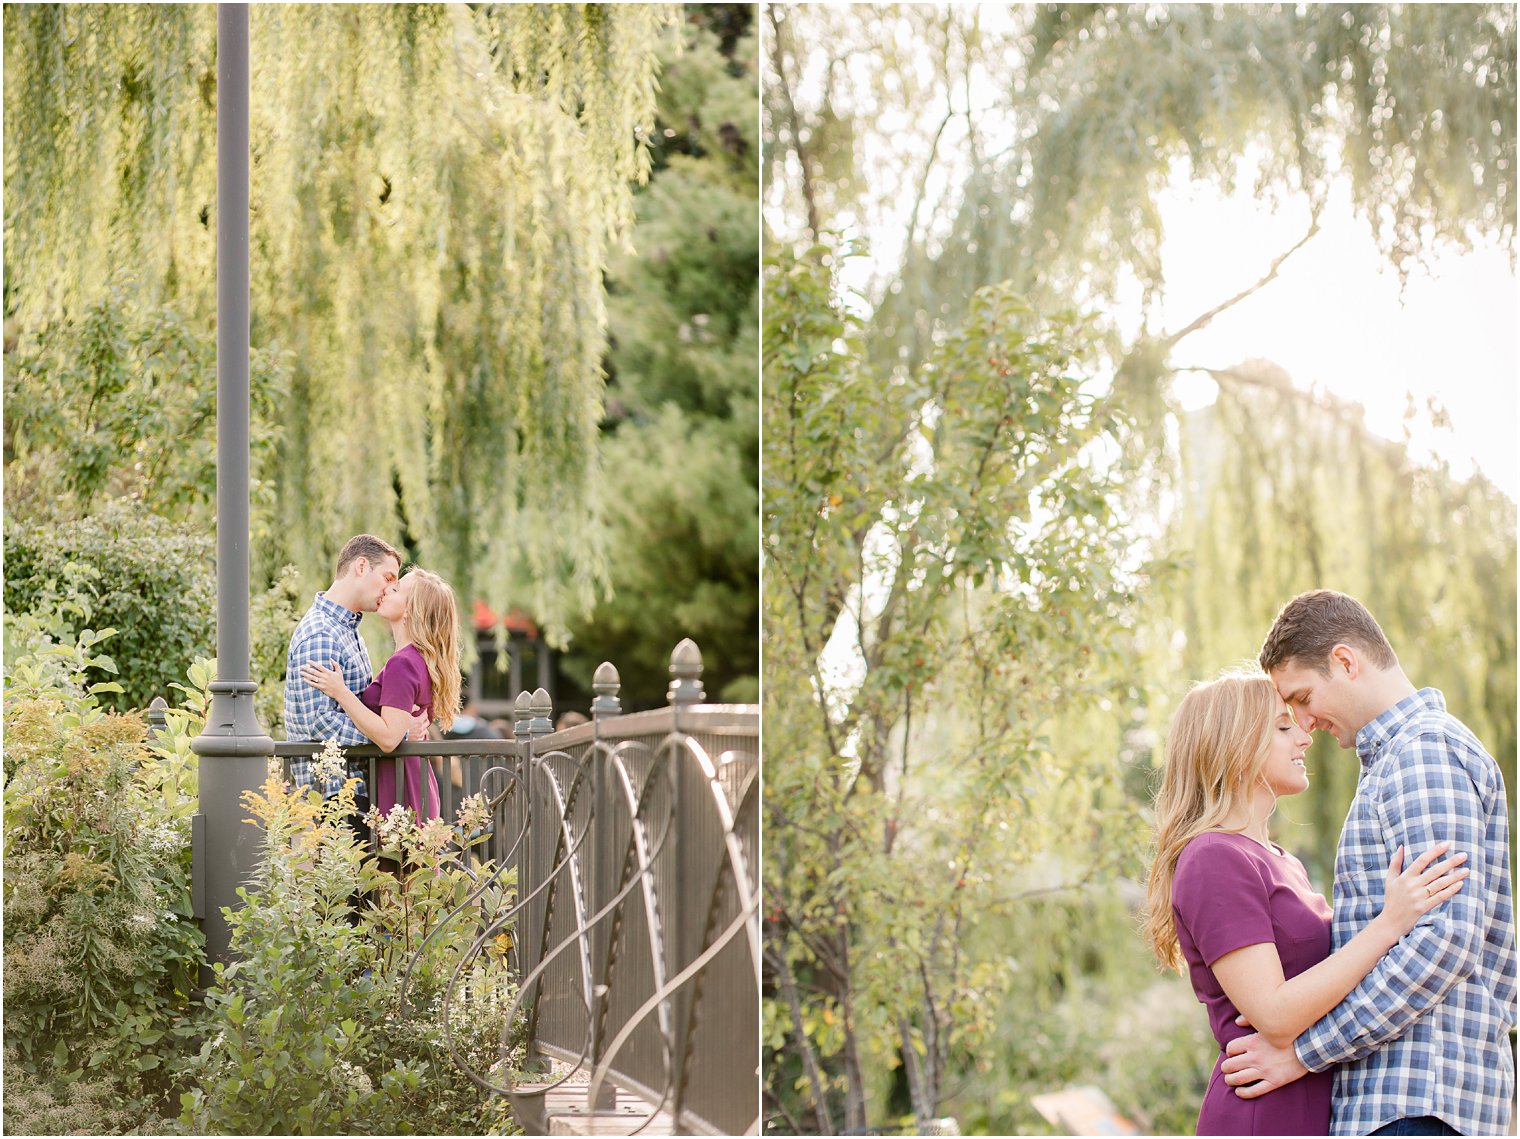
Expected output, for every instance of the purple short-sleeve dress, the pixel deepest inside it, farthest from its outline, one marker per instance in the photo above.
(1229, 892)
(404, 683)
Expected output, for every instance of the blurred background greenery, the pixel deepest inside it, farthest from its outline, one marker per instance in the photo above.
(504, 314)
(1032, 467)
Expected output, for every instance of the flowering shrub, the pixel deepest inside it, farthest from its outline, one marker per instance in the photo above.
(101, 951)
(332, 1019)
(309, 1030)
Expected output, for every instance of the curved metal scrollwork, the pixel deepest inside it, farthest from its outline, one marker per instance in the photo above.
(635, 927)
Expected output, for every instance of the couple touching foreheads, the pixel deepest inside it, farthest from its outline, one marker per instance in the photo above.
(1391, 1015)
(333, 693)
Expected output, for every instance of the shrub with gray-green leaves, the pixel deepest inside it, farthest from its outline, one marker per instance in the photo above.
(152, 580)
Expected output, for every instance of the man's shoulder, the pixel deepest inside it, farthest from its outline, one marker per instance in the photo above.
(317, 625)
(1436, 741)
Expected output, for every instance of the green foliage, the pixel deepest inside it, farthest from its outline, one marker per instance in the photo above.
(681, 441)
(120, 402)
(149, 578)
(1432, 557)
(307, 1031)
(153, 582)
(687, 509)
(947, 539)
(101, 950)
(1090, 1011)
(437, 191)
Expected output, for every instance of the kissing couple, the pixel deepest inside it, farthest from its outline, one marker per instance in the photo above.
(333, 693)
(1389, 1015)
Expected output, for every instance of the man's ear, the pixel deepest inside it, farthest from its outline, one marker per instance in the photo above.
(1344, 658)
(360, 566)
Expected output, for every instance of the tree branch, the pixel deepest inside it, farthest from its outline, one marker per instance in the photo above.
(923, 187)
(803, 157)
(1204, 320)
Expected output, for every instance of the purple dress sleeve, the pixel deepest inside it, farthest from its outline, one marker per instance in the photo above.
(1219, 896)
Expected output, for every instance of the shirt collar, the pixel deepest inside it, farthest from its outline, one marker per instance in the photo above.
(1376, 733)
(342, 614)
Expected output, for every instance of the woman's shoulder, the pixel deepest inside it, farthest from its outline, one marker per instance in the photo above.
(1206, 854)
(409, 653)
(405, 661)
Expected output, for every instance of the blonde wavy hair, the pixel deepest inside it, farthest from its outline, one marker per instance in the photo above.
(432, 621)
(1215, 752)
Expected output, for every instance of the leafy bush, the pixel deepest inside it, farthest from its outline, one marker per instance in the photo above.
(307, 1031)
(273, 617)
(120, 401)
(101, 950)
(155, 582)
(1087, 1007)
(328, 1020)
(148, 577)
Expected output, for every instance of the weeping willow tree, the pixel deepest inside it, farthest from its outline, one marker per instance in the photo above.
(1030, 147)
(435, 193)
(1041, 137)
(1279, 502)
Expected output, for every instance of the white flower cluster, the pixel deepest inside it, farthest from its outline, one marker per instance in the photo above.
(434, 835)
(163, 839)
(395, 826)
(472, 814)
(328, 764)
(345, 1074)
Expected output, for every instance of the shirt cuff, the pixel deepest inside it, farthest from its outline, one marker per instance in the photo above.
(1314, 1054)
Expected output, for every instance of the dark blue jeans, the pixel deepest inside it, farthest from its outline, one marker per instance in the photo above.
(1419, 1125)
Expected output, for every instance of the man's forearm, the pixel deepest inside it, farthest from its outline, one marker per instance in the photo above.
(1410, 980)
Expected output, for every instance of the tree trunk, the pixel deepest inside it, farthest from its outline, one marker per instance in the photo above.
(854, 1077)
(810, 1065)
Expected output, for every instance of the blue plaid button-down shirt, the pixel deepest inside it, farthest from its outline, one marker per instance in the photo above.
(1424, 1033)
(329, 632)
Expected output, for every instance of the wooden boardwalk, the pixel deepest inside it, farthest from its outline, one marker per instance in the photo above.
(626, 1114)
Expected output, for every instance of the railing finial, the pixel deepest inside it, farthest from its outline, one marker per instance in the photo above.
(606, 682)
(542, 709)
(522, 716)
(686, 671)
(158, 722)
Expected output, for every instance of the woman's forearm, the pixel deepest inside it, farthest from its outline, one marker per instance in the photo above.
(1280, 1009)
(370, 722)
(1317, 990)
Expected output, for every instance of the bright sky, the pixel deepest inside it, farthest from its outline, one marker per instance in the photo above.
(1334, 319)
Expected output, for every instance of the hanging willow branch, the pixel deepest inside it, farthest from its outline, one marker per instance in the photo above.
(436, 190)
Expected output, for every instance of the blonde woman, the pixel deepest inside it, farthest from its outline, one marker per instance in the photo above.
(1235, 911)
(420, 678)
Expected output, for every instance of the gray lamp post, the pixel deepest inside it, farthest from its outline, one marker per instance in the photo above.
(234, 749)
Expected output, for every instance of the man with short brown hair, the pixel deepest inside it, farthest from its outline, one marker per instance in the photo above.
(368, 567)
(1422, 1042)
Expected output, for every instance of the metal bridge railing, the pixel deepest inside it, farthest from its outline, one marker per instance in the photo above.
(636, 844)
